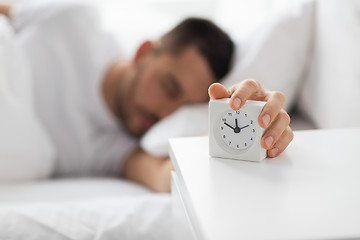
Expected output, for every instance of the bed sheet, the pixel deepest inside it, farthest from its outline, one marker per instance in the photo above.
(94, 208)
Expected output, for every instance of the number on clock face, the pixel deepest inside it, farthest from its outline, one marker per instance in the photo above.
(237, 129)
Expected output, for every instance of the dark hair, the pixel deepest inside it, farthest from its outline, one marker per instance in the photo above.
(212, 42)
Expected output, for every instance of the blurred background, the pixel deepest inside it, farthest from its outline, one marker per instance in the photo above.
(136, 20)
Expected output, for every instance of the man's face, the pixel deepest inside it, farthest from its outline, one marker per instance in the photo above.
(161, 83)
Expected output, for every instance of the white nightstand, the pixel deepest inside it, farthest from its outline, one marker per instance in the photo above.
(312, 191)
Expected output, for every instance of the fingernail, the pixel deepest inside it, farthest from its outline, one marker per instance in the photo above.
(266, 119)
(237, 103)
(274, 151)
(268, 141)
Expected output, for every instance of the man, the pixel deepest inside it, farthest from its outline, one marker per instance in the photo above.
(95, 104)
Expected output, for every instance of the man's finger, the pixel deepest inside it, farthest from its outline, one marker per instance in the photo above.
(274, 132)
(271, 109)
(217, 91)
(282, 143)
(247, 89)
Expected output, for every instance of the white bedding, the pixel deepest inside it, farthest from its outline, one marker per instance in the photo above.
(82, 209)
(26, 151)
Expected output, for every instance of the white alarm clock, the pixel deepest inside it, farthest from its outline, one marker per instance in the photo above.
(235, 134)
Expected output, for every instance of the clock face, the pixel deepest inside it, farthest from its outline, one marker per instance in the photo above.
(237, 129)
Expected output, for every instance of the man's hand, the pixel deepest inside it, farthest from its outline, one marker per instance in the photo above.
(153, 172)
(278, 134)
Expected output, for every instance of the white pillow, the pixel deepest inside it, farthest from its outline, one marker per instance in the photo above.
(276, 56)
(278, 52)
(26, 151)
(188, 121)
(331, 93)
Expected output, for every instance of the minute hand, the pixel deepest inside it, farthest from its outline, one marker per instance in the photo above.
(244, 127)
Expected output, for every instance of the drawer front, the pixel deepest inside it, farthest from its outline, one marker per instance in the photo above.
(182, 227)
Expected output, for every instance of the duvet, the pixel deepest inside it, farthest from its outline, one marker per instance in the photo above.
(26, 151)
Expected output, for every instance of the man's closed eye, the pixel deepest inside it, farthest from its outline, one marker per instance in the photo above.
(171, 87)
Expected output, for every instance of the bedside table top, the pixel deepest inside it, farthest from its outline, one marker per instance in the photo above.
(311, 191)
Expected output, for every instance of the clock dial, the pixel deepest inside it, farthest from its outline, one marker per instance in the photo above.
(237, 129)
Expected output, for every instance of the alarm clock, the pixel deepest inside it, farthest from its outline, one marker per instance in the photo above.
(235, 134)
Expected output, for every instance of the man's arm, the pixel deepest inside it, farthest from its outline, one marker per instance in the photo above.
(151, 171)
(5, 10)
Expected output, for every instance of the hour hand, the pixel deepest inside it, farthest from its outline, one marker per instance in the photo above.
(229, 125)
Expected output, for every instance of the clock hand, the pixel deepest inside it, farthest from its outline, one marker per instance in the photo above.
(228, 125)
(236, 129)
(244, 126)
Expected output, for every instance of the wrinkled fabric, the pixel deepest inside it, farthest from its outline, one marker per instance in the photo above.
(143, 217)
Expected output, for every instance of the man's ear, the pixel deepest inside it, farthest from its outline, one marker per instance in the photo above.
(144, 49)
